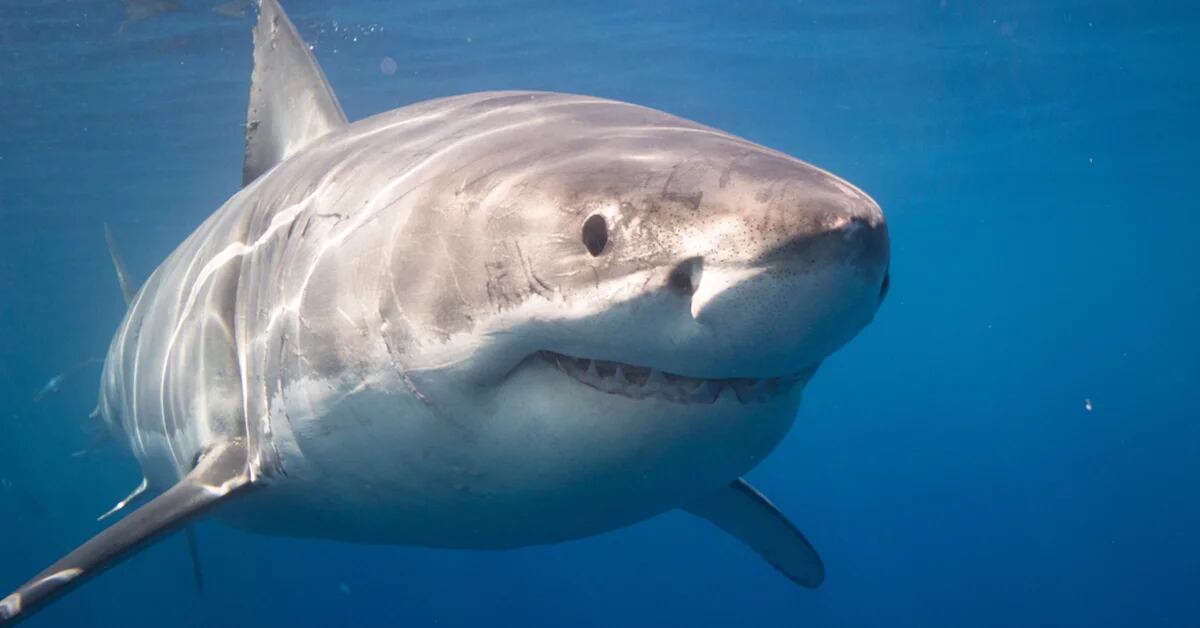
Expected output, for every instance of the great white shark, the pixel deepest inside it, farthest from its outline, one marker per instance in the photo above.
(484, 321)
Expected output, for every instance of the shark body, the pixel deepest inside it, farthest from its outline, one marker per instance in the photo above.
(484, 321)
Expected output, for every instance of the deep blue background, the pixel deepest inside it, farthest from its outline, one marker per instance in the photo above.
(1036, 161)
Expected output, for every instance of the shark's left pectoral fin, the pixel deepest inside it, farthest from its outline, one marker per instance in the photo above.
(221, 474)
(746, 514)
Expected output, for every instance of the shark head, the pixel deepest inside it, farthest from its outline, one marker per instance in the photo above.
(643, 263)
(605, 301)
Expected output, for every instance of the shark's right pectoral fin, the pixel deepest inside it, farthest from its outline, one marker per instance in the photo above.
(127, 289)
(220, 475)
(750, 517)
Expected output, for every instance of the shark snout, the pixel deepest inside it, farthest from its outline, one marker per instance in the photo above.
(793, 302)
(859, 241)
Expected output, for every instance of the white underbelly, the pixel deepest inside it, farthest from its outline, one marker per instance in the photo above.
(545, 460)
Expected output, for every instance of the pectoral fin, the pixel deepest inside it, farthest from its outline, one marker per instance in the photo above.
(127, 289)
(220, 474)
(746, 514)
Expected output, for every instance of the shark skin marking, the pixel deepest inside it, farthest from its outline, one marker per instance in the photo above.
(484, 321)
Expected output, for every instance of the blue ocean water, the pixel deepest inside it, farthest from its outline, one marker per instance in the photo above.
(1015, 440)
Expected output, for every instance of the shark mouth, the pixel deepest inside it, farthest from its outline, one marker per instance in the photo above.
(639, 382)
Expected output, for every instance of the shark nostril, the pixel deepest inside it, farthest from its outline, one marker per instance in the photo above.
(685, 277)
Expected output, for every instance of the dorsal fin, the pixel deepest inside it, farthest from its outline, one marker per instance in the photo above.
(291, 103)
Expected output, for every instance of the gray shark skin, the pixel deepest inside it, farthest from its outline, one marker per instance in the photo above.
(485, 321)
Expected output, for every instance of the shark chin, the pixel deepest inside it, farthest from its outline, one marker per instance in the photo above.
(483, 321)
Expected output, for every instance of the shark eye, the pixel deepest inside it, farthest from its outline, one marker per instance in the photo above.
(595, 234)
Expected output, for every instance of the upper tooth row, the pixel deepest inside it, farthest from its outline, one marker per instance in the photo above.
(646, 382)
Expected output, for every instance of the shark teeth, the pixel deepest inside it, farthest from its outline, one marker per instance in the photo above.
(640, 382)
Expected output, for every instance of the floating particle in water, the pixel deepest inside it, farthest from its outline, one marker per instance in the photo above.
(1087, 405)
(147, 9)
(235, 8)
(343, 588)
(387, 65)
(137, 10)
